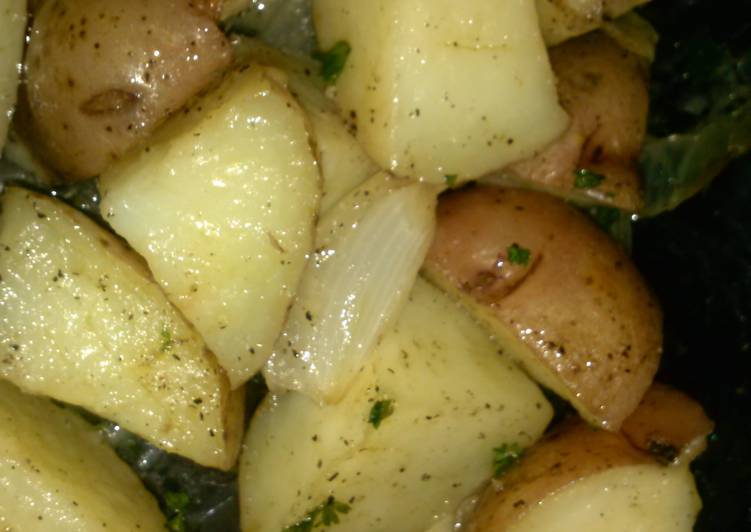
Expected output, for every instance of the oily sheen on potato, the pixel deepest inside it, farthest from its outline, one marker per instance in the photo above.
(12, 28)
(101, 76)
(442, 398)
(57, 474)
(438, 88)
(560, 295)
(82, 321)
(581, 478)
(221, 203)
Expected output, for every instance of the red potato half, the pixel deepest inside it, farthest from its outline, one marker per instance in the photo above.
(604, 89)
(101, 75)
(574, 312)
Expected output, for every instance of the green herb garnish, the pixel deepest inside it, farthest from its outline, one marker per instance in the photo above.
(176, 502)
(166, 339)
(450, 179)
(518, 255)
(587, 178)
(325, 514)
(504, 457)
(333, 60)
(380, 411)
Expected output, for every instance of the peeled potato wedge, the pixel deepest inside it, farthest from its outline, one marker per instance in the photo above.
(443, 91)
(582, 478)
(560, 296)
(221, 203)
(12, 28)
(451, 399)
(82, 321)
(58, 474)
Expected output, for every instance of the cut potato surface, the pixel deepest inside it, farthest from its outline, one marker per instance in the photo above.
(12, 29)
(560, 296)
(442, 398)
(438, 88)
(582, 478)
(343, 163)
(221, 204)
(81, 321)
(56, 473)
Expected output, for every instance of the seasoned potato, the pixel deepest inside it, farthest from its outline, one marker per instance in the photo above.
(343, 163)
(412, 437)
(440, 90)
(81, 321)
(580, 478)
(221, 203)
(12, 29)
(558, 293)
(57, 474)
(563, 19)
(604, 89)
(101, 75)
(668, 424)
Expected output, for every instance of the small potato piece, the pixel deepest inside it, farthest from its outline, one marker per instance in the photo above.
(57, 474)
(574, 312)
(668, 424)
(451, 399)
(580, 478)
(82, 321)
(604, 89)
(12, 29)
(221, 204)
(103, 74)
(438, 88)
(564, 19)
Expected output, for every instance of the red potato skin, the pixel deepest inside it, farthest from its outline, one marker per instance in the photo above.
(101, 75)
(604, 88)
(578, 306)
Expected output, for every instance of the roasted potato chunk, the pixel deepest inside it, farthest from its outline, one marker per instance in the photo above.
(12, 28)
(101, 75)
(560, 296)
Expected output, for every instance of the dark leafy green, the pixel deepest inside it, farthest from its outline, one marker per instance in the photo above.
(380, 411)
(700, 98)
(504, 458)
(333, 60)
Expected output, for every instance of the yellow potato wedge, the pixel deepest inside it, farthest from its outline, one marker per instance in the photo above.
(559, 295)
(58, 474)
(412, 437)
(82, 321)
(221, 203)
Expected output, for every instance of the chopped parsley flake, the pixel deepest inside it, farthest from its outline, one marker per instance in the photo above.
(587, 178)
(518, 255)
(175, 504)
(504, 457)
(325, 514)
(333, 60)
(380, 411)
(166, 339)
(450, 179)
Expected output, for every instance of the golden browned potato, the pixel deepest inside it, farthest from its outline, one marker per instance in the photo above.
(668, 424)
(559, 295)
(604, 89)
(101, 75)
(580, 478)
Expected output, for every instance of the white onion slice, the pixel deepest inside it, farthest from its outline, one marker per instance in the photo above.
(370, 247)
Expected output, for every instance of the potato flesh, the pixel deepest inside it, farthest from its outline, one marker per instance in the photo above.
(343, 163)
(577, 316)
(57, 474)
(12, 28)
(102, 75)
(644, 498)
(437, 88)
(564, 19)
(454, 400)
(81, 322)
(221, 204)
